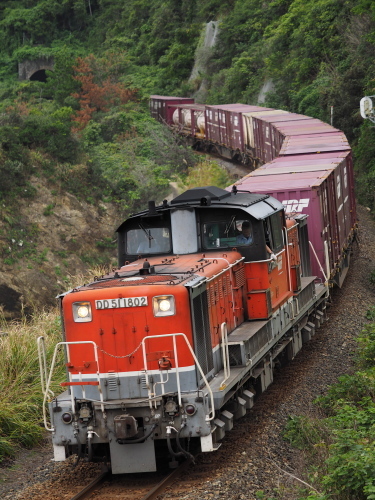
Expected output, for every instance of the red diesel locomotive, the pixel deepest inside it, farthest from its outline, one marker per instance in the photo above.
(213, 288)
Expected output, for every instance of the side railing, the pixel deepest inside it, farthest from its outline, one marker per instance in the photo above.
(47, 374)
(46, 377)
(152, 388)
(225, 354)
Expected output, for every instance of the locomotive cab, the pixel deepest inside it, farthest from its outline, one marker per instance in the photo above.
(205, 220)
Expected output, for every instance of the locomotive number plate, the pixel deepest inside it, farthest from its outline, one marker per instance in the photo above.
(123, 302)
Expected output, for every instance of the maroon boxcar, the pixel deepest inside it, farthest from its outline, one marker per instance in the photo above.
(314, 142)
(256, 140)
(323, 189)
(232, 131)
(269, 136)
(215, 122)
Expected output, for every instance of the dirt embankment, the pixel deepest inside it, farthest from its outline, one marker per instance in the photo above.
(47, 239)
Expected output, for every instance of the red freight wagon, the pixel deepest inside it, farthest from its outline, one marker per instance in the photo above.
(342, 158)
(215, 119)
(232, 133)
(162, 107)
(212, 124)
(254, 137)
(299, 144)
(190, 119)
(268, 134)
(265, 136)
(325, 193)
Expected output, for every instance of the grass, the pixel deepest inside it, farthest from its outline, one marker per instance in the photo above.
(21, 396)
(207, 173)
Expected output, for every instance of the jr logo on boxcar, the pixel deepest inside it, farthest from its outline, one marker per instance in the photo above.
(295, 205)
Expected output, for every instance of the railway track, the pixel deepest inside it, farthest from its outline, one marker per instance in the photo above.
(105, 486)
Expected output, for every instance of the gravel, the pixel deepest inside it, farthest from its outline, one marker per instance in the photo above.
(253, 457)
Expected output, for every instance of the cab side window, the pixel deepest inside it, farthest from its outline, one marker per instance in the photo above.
(274, 232)
(227, 234)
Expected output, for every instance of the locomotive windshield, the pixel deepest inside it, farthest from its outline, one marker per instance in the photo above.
(229, 234)
(148, 240)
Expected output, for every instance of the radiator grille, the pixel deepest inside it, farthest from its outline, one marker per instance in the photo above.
(112, 381)
(212, 295)
(221, 288)
(235, 355)
(259, 340)
(306, 295)
(202, 337)
(239, 277)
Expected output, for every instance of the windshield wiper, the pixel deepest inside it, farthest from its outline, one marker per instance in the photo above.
(229, 225)
(147, 233)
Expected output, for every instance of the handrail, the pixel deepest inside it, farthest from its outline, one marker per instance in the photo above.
(42, 363)
(266, 260)
(290, 288)
(47, 381)
(225, 349)
(319, 264)
(174, 335)
(43, 378)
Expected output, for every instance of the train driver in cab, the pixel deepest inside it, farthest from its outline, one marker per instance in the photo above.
(246, 235)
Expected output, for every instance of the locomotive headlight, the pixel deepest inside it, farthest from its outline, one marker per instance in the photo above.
(164, 305)
(82, 312)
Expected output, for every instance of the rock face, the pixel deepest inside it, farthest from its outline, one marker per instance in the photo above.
(48, 240)
(202, 58)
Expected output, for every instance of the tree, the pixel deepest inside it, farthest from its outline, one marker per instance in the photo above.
(98, 90)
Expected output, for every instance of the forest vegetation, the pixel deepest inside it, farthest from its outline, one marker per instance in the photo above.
(85, 128)
(89, 117)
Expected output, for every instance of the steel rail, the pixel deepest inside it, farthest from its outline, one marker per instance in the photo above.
(155, 492)
(87, 490)
(150, 495)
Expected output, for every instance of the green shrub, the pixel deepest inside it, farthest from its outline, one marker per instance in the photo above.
(305, 433)
(366, 339)
(49, 209)
(351, 464)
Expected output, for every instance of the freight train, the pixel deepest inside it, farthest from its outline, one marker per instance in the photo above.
(213, 290)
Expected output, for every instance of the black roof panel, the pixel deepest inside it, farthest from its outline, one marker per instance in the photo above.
(196, 194)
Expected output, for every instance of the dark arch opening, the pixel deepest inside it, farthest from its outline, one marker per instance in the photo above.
(39, 76)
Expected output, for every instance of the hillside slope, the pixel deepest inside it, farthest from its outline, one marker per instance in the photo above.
(47, 240)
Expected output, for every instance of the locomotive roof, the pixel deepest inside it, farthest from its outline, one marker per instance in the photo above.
(257, 205)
